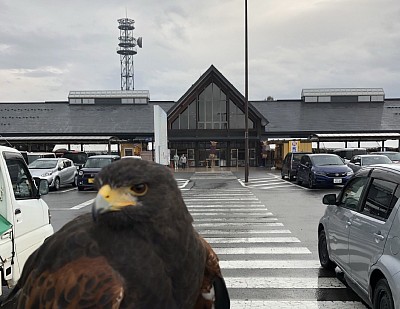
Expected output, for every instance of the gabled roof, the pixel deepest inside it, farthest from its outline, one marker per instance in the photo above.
(213, 72)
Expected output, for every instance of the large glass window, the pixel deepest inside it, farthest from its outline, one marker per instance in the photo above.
(192, 115)
(236, 117)
(209, 111)
(183, 121)
(211, 106)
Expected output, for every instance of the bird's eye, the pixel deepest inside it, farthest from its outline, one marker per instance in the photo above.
(139, 189)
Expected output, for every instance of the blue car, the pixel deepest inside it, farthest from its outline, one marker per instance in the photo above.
(322, 169)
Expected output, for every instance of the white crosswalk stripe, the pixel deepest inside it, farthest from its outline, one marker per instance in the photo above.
(264, 265)
(269, 182)
(259, 304)
(283, 282)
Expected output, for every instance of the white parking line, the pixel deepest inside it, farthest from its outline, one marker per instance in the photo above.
(63, 190)
(182, 183)
(84, 204)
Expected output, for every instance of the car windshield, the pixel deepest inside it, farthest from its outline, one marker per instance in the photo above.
(43, 164)
(375, 160)
(326, 160)
(97, 162)
(297, 157)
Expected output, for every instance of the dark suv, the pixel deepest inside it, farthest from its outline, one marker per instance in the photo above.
(290, 164)
(93, 165)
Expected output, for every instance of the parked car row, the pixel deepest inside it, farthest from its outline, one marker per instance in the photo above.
(325, 169)
(62, 171)
(313, 170)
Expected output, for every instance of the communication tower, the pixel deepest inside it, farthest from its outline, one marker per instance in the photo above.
(126, 50)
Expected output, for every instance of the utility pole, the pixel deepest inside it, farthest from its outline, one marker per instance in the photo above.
(246, 97)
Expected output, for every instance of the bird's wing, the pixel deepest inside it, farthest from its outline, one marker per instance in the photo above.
(83, 283)
(214, 293)
(68, 271)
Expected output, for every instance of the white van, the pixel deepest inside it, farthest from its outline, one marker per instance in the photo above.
(24, 216)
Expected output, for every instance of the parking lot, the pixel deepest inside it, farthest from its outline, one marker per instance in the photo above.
(265, 232)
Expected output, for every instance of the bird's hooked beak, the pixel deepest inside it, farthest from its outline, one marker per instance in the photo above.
(112, 199)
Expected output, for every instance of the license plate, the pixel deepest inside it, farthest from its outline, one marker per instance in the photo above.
(337, 180)
(90, 180)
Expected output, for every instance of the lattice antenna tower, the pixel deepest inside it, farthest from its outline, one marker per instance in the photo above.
(126, 50)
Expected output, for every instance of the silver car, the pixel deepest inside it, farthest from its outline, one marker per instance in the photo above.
(359, 161)
(57, 171)
(360, 233)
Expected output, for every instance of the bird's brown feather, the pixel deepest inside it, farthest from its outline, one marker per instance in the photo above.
(82, 283)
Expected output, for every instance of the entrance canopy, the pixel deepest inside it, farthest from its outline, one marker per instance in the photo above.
(353, 137)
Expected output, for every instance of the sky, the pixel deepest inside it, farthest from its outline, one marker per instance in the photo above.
(50, 47)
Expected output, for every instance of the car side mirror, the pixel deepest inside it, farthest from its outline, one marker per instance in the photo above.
(329, 199)
(42, 185)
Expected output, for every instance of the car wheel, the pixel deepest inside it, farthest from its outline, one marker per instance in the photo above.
(382, 296)
(75, 182)
(311, 184)
(290, 176)
(323, 253)
(57, 184)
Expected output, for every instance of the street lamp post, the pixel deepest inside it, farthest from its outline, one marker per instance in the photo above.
(246, 98)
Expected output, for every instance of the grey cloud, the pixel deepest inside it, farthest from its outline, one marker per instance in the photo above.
(60, 46)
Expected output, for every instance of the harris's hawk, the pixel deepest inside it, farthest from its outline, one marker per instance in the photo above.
(137, 249)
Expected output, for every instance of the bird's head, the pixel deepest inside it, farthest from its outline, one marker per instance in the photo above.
(132, 190)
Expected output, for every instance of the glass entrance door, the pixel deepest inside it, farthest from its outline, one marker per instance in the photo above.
(190, 158)
(252, 157)
(234, 157)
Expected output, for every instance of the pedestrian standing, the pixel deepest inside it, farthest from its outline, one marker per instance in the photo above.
(183, 161)
(176, 161)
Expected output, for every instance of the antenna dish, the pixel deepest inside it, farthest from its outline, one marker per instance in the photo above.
(140, 42)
